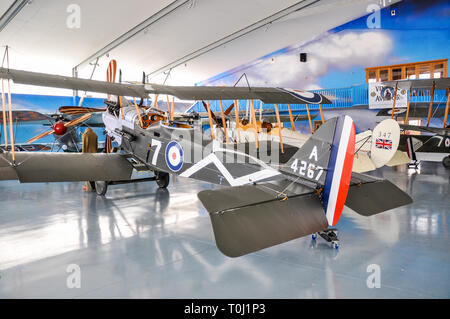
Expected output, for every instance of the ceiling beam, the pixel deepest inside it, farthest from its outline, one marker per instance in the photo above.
(259, 24)
(131, 33)
(12, 11)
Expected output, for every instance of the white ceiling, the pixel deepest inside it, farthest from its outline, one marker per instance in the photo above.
(4, 5)
(41, 41)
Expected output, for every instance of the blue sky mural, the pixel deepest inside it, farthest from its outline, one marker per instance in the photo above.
(420, 30)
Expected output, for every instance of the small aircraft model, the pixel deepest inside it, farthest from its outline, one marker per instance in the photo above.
(433, 148)
(271, 193)
(63, 127)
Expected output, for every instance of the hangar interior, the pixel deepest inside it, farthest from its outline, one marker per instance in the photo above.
(141, 241)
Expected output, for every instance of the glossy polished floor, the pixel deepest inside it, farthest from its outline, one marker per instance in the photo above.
(139, 242)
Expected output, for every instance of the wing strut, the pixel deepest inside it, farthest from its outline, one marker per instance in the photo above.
(224, 122)
(431, 103)
(138, 113)
(321, 113)
(446, 108)
(11, 138)
(395, 100)
(279, 127)
(407, 106)
(208, 109)
(236, 115)
(291, 118)
(309, 119)
(4, 115)
(155, 103)
(252, 109)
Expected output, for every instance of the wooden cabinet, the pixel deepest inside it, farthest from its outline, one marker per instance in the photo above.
(419, 70)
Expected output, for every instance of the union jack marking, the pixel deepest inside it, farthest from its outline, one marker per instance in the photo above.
(383, 144)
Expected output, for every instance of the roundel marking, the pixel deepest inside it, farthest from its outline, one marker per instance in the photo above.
(447, 142)
(308, 97)
(174, 156)
(396, 111)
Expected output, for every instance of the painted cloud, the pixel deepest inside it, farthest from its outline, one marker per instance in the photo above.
(331, 51)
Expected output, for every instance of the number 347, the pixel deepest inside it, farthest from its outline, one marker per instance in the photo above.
(308, 170)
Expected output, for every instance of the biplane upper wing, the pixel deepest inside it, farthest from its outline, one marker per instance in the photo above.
(265, 94)
(420, 110)
(439, 83)
(435, 130)
(33, 167)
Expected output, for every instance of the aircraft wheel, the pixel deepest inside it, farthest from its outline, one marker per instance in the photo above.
(313, 236)
(446, 161)
(101, 187)
(162, 179)
(335, 245)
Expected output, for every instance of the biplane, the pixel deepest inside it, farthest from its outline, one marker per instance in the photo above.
(434, 144)
(271, 192)
(63, 127)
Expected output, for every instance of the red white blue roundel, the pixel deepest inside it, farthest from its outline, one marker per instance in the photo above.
(307, 97)
(174, 156)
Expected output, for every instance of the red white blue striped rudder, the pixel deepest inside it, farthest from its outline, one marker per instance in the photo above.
(339, 171)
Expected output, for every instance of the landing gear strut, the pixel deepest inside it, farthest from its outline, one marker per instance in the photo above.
(414, 165)
(161, 178)
(330, 235)
(446, 161)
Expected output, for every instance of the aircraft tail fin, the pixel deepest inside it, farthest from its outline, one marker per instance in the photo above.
(339, 172)
(326, 160)
(385, 140)
(410, 148)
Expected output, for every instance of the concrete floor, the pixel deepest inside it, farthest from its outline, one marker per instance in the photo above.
(140, 242)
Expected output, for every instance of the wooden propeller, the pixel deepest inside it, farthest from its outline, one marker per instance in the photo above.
(67, 124)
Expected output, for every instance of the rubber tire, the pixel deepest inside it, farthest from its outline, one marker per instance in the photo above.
(162, 179)
(446, 162)
(101, 187)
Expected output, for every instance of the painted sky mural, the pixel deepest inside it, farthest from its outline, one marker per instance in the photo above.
(419, 31)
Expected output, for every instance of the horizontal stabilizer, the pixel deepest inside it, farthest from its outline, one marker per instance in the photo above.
(399, 159)
(35, 167)
(252, 217)
(362, 163)
(368, 195)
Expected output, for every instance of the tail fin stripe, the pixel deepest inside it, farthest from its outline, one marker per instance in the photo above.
(339, 170)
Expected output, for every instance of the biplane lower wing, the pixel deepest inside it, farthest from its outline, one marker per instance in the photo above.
(252, 217)
(35, 167)
(369, 195)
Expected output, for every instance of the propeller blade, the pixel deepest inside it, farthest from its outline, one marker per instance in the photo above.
(77, 110)
(212, 113)
(40, 136)
(78, 120)
(229, 109)
(111, 71)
